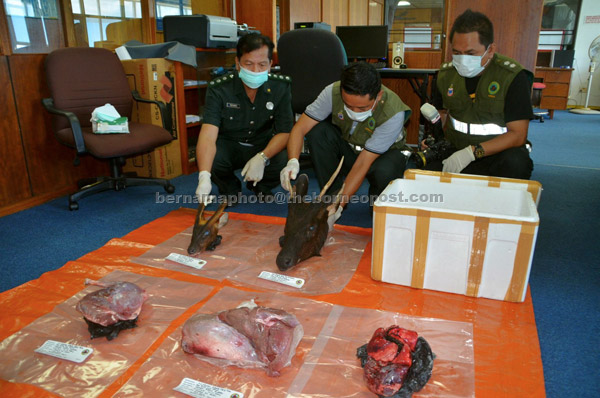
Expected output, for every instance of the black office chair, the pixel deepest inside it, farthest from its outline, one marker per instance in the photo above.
(80, 80)
(313, 58)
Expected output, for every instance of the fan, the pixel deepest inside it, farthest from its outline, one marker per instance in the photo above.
(594, 53)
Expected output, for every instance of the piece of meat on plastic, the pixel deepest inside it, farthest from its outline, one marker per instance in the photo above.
(396, 362)
(274, 333)
(119, 301)
(247, 337)
(206, 335)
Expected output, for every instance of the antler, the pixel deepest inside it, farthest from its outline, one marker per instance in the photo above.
(199, 213)
(217, 213)
(335, 173)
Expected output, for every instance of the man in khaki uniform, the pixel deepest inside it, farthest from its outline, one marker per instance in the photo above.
(366, 128)
(488, 100)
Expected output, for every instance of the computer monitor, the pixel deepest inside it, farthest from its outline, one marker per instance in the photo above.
(363, 42)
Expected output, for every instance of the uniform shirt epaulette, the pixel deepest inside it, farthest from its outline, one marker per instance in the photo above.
(280, 77)
(221, 79)
(507, 64)
(446, 65)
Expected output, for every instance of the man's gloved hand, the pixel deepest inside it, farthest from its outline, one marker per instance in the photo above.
(459, 160)
(288, 173)
(254, 169)
(204, 187)
(333, 217)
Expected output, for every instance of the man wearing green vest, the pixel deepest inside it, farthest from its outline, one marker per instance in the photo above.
(366, 128)
(246, 123)
(488, 99)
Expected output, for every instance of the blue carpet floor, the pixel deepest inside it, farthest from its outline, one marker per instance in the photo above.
(565, 276)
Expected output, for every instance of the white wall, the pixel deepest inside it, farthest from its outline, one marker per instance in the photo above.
(586, 32)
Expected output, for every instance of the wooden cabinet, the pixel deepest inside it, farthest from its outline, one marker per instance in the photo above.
(556, 93)
(14, 182)
(190, 89)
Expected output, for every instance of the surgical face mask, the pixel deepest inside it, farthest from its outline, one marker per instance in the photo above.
(360, 116)
(469, 65)
(253, 79)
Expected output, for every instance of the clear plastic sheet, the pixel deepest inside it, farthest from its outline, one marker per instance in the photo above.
(325, 364)
(19, 363)
(248, 248)
(505, 341)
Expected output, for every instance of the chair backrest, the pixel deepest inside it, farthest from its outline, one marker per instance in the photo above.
(81, 79)
(313, 58)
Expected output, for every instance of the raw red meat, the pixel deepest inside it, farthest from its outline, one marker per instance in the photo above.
(247, 337)
(396, 362)
(205, 334)
(119, 301)
(112, 309)
(274, 333)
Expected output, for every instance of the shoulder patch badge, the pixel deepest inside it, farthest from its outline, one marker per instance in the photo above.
(340, 115)
(450, 90)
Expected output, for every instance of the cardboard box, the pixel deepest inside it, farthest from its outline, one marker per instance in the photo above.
(533, 187)
(154, 78)
(457, 238)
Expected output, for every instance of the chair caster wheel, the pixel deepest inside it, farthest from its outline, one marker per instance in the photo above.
(170, 188)
(73, 206)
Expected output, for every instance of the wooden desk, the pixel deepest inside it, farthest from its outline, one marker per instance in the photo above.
(413, 86)
(418, 79)
(556, 93)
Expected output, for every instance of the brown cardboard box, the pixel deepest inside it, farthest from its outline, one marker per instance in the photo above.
(154, 78)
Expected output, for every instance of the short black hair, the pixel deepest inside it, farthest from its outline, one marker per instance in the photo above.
(473, 21)
(254, 41)
(361, 78)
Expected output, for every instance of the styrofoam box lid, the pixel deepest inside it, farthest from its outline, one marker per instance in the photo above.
(473, 200)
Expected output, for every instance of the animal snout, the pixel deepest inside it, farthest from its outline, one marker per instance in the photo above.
(285, 262)
(192, 250)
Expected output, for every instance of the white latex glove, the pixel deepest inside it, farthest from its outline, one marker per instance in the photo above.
(204, 187)
(334, 217)
(288, 173)
(254, 169)
(459, 160)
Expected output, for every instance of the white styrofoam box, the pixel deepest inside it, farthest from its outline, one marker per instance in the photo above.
(458, 238)
(533, 187)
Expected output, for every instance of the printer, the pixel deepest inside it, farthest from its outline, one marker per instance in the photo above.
(204, 31)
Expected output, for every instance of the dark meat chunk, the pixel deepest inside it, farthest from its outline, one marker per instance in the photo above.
(111, 331)
(396, 362)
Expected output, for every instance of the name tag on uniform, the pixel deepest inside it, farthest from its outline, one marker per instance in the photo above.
(232, 105)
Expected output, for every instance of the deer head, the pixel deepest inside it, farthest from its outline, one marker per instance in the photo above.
(205, 234)
(306, 225)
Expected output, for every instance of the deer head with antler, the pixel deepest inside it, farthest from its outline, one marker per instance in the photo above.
(306, 225)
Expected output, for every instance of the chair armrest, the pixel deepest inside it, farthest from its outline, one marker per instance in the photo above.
(73, 121)
(167, 120)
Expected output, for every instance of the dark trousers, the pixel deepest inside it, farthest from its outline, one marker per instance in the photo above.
(511, 163)
(232, 156)
(326, 147)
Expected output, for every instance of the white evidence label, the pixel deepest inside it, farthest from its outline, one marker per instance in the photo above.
(283, 279)
(66, 351)
(186, 260)
(197, 389)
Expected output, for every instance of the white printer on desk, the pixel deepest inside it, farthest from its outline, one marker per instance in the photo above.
(204, 31)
